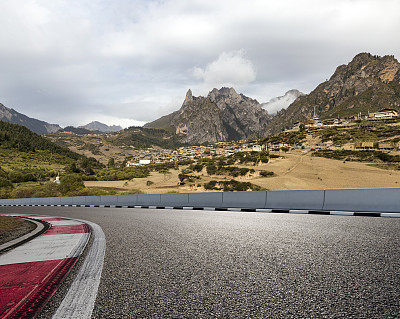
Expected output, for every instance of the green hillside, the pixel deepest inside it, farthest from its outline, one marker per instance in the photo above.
(143, 137)
(28, 157)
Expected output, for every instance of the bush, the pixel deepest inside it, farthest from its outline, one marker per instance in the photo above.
(211, 169)
(71, 183)
(4, 182)
(266, 173)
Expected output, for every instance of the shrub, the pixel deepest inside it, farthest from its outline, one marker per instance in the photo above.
(266, 173)
(5, 183)
(70, 183)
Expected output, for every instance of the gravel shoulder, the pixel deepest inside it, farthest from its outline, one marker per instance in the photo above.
(14, 227)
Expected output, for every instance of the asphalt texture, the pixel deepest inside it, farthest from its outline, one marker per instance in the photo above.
(210, 264)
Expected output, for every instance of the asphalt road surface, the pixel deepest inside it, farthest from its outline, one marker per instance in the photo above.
(210, 264)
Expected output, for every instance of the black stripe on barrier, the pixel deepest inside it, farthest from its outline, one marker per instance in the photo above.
(280, 211)
(221, 209)
(319, 212)
(366, 214)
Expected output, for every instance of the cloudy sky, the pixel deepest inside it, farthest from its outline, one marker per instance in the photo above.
(128, 62)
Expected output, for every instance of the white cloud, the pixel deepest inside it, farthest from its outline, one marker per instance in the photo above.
(231, 69)
(61, 58)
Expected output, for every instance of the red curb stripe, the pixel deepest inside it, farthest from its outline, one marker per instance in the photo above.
(52, 219)
(67, 229)
(28, 286)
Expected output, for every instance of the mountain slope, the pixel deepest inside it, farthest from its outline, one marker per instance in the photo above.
(37, 126)
(20, 138)
(222, 115)
(368, 83)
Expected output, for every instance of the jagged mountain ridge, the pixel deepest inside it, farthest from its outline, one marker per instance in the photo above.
(276, 104)
(101, 127)
(36, 126)
(368, 83)
(220, 116)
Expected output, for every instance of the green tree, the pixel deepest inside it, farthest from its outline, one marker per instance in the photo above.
(70, 183)
(211, 169)
(111, 162)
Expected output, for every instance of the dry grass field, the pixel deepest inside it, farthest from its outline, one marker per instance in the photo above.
(292, 171)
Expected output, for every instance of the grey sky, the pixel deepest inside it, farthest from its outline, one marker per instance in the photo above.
(130, 61)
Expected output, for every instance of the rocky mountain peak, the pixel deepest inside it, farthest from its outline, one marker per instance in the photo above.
(366, 84)
(189, 97)
(222, 115)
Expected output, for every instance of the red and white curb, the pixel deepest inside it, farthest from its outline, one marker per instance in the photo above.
(31, 273)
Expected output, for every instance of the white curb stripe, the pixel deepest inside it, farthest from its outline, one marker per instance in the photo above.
(63, 222)
(342, 213)
(47, 247)
(80, 299)
(390, 215)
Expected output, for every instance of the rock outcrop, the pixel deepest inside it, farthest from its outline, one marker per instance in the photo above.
(220, 116)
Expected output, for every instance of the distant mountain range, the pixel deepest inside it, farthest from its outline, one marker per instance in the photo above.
(41, 127)
(366, 84)
(37, 126)
(101, 127)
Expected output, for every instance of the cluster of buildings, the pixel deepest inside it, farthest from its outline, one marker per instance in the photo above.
(193, 152)
(152, 155)
(386, 113)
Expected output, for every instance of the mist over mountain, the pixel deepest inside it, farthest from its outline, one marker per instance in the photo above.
(276, 104)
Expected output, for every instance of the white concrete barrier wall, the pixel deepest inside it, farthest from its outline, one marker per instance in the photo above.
(244, 199)
(93, 200)
(67, 200)
(174, 200)
(127, 200)
(369, 199)
(109, 200)
(297, 199)
(149, 199)
(213, 199)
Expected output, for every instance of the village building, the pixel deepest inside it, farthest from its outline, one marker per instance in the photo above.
(384, 113)
(364, 145)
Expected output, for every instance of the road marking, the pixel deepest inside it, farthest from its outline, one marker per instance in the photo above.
(80, 299)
